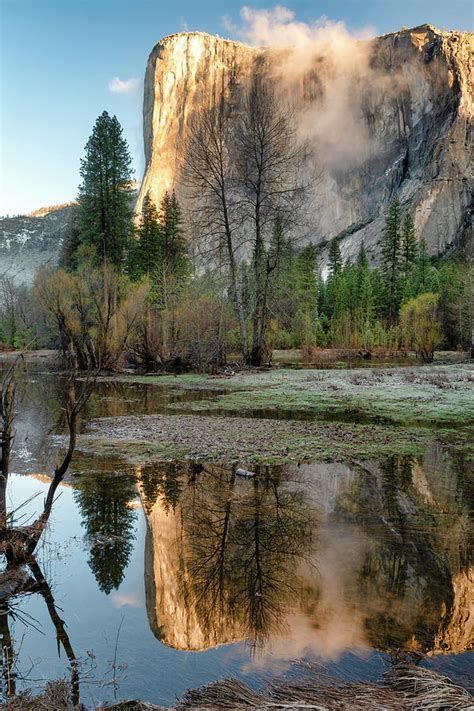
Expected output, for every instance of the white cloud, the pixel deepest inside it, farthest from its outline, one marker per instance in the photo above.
(124, 86)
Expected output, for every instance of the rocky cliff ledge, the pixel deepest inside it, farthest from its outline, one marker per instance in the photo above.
(405, 106)
(31, 241)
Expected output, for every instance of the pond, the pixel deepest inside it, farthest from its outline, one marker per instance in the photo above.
(174, 574)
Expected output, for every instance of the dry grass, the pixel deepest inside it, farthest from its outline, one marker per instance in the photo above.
(405, 686)
(133, 706)
(55, 695)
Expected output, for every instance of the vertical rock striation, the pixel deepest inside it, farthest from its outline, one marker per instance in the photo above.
(396, 118)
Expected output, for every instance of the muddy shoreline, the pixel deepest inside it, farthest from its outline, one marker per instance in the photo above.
(146, 438)
(293, 415)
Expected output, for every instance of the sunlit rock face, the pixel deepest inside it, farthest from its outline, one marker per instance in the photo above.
(185, 72)
(185, 610)
(456, 632)
(390, 116)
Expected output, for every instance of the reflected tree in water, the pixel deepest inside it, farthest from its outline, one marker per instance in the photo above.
(162, 479)
(18, 543)
(408, 566)
(109, 521)
(247, 541)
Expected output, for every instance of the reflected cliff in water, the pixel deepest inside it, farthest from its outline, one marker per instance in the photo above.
(317, 558)
(222, 553)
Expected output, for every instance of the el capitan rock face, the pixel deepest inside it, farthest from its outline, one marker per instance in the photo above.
(391, 115)
(393, 118)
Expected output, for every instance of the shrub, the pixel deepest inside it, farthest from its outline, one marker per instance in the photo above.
(420, 325)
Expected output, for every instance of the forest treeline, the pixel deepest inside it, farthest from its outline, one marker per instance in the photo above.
(229, 278)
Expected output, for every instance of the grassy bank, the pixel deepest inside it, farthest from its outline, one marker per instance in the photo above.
(431, 396)
(146, 438)
(405, 687)
(284, 414)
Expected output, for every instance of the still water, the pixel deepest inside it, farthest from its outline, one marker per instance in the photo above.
(171, 575)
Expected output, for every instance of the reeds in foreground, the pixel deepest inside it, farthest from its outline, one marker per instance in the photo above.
(405, 686)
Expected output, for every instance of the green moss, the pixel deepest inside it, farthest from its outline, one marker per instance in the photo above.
(136, 452)
(437, 396)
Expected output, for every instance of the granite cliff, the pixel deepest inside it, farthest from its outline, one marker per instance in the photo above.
(31, 241)
(391, 116)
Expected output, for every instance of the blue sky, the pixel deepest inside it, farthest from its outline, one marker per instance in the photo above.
(59, 57)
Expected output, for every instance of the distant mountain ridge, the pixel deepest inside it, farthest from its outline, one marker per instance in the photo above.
(30, 241)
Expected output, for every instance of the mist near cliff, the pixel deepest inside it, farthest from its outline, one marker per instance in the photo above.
(325, 72)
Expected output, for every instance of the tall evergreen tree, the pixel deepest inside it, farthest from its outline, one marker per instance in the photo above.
(365, 307)
(362, 261)
(104, 214)
(69, 253)
(145, 257)
(425, 278)
(307, 323)
(390, 254)
(174, 248)
(364, 291)
(335, 258)
(409, 246)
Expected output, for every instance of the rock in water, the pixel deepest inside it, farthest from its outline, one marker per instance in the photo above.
(245, 473)
(384, 116)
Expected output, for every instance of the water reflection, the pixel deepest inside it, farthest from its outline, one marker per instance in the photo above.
(314, 559)
(318, 558)
(16, 582)
(223, 563)
(109, 522)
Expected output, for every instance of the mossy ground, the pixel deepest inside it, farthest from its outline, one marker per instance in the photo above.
(436, 395)
(345, 413)
(147, 438)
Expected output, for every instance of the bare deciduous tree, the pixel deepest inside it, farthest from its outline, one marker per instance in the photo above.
(97, 315)
(209, 173)
(269, 159)
(244, 174)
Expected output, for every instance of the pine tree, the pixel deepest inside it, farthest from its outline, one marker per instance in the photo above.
(104, 214)
(282, 263)
(68, 256)
(306, 324)
(425, 278)
(364, 292)
(409, 246)
(390, 257)
(335, 258)
(145, 257)
(365, 307)
(174, 248)
(362, 261)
